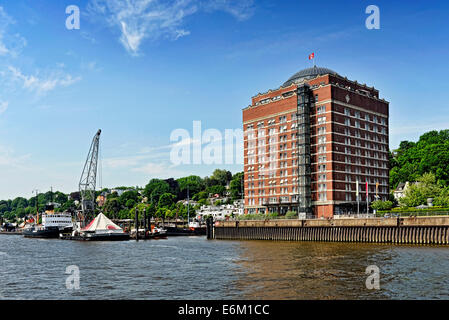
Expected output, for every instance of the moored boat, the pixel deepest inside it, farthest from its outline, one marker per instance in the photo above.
(154, 233)
(52, 225)
(41, 232)
(99, 229)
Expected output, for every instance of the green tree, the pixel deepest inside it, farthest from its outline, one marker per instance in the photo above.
(112, 207)
(442, 199)
(220, 190)
(129, 198)
(222, 176)
(156, 188)
(236, 186)
(200, 195)
(418, 193)
(381, 205)
(429, 154)
(166, 200)
(194, 183)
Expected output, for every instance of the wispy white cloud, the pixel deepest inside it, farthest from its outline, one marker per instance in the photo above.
(122, 162)
(3, 106)
(42, 84)
(8, 158)
(141, 19)
(10, 43)
(152, 165)
(90, 66)
(181, 143)
(161, 170)
(138, 20)
(240, 9)
(86, 35)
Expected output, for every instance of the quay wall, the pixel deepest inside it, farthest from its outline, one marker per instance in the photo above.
(402, 230)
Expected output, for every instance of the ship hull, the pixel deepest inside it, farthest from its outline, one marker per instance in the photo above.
(99, 237)
(45, 233)
(173, 232)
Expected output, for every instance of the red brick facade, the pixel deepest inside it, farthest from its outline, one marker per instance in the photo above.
(349, 142)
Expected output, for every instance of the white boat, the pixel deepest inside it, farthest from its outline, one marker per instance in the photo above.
(52, 224)
(99, 229)
(61, 220)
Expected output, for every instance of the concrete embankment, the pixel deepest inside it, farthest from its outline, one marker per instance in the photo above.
(407, 230)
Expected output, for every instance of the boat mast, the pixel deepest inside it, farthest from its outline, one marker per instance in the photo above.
(37, 207)
(188, 207)
(88, 179)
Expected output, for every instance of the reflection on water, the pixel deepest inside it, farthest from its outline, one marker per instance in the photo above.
(194, 268)
(309, 270)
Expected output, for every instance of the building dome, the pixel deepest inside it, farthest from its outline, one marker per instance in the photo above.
(308, 74)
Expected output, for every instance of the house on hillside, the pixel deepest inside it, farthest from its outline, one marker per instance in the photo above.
(400, 190)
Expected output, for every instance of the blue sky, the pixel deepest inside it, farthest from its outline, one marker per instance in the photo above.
(139, 69)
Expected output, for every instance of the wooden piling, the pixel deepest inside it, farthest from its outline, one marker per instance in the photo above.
(136, 222)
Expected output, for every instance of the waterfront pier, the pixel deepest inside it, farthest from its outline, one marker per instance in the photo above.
(402, 230)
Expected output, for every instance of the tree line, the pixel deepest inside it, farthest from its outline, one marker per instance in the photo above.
(430, 154)
(159, 197)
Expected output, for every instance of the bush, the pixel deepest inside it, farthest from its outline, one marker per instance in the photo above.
(273, 215)
(430, 211)
(382, 205)
(291, 215)
(252, 217)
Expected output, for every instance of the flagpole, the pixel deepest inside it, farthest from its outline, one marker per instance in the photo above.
(367, 201)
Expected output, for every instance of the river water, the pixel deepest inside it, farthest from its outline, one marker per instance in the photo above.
(195, 268)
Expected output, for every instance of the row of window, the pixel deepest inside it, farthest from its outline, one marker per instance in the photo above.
(367, 117)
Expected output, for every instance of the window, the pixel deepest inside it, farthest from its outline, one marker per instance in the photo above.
(321, 110)
(321, 120)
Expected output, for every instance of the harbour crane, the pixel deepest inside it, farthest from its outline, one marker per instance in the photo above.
(89, 179)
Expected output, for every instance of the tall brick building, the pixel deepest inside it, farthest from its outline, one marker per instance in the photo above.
(308, 142)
